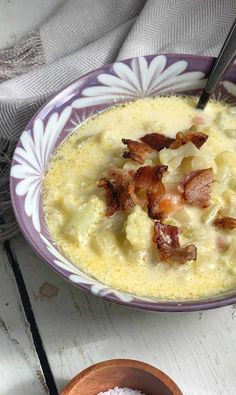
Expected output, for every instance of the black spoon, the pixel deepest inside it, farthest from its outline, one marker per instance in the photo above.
(225, 58)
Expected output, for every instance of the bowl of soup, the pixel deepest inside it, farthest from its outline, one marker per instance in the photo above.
(128, 191)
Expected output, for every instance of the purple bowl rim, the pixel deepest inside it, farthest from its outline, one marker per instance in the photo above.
(154, 306)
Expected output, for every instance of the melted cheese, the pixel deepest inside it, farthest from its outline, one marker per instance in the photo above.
(119, 251)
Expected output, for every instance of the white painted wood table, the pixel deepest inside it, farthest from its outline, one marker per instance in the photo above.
(50, 330)
(198, 350)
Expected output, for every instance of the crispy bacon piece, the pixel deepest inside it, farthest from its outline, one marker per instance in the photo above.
(154, 197)
(147, 176)
(120, 176)
(149, 180)
(195, 187)
(197, 138)
(121, 179)
(112, 196)
(180, 255)
(166, 237)
(136, 198)
(116, 190)
(225, 223)
(137, 151)
(157, 141)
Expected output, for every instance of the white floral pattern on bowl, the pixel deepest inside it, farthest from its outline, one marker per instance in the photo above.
(141, 79)
(32, 159)
(125, 80)
(230, 87)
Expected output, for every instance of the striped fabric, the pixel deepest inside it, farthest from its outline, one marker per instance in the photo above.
(85, 34)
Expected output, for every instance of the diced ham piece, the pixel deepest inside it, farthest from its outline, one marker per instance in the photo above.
(222, 244)
(198, 120)
(170, 202)
(196, 187)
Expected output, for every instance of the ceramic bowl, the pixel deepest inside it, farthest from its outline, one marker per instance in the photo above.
(122, 373)
(114, 83)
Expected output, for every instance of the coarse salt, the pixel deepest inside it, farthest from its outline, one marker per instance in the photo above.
(121, 391)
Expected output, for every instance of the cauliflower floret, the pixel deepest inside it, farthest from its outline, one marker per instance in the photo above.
(209, 213)
(131, 165)
(84, 219)
(227, 159)
(227, 120)
(228, 206)
(217, 140)
(139, 229)
(230, 133)
(106, 242)
(204, 159)
(186, 214)
(109, 138)
(174, 157)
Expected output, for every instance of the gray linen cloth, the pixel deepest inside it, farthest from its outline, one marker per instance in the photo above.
(85, 34)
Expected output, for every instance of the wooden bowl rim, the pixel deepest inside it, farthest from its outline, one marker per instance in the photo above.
(163, 377)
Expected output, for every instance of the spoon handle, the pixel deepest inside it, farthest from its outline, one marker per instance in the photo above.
(225, 58)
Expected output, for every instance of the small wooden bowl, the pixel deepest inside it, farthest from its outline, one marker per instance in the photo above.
(121, 373)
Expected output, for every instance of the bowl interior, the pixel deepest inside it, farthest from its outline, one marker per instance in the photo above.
(112, 84)
(131, 374)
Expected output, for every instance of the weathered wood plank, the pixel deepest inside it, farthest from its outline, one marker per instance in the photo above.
(20, 370)
(197, 350)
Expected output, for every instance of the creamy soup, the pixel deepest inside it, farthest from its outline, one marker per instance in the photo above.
(119, 244)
